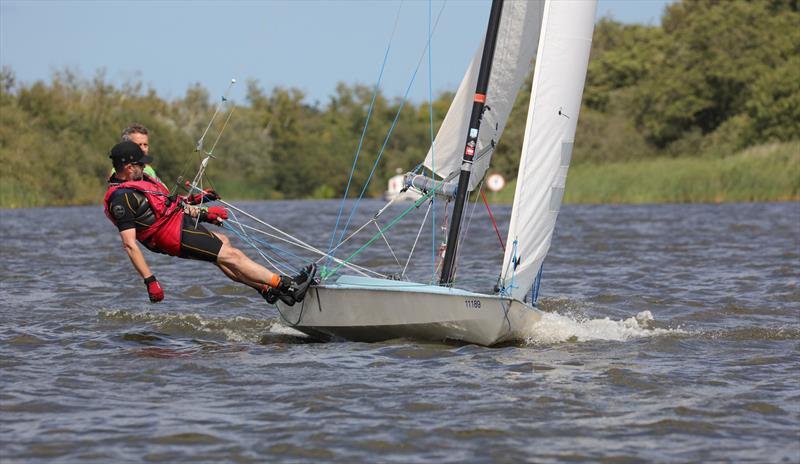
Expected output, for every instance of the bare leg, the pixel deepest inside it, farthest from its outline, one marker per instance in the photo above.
(228, 273)
(238, 267)
(225, 270)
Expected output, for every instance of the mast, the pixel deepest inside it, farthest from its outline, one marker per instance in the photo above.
(448, 268)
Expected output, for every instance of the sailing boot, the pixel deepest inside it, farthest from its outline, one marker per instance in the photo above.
(268, 293)
(292, 290)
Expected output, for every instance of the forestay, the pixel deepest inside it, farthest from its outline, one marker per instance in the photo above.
(517, 41)
(558, 80)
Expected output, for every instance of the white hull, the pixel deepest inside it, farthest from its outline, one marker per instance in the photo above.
(370, 310)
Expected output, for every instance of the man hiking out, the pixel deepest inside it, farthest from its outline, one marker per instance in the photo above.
(143, 210)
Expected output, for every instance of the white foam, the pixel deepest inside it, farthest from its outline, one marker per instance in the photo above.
(556, 328)
(280, 329)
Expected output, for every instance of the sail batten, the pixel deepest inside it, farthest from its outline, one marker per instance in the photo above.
(561, 62)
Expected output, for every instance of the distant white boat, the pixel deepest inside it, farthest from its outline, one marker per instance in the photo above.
(559, 35)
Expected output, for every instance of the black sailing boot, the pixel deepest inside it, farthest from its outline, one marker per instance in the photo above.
(269, 294)
(292, 290)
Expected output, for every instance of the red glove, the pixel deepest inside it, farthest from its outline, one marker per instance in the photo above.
(207, 196)
(214, 215)
(154, 289)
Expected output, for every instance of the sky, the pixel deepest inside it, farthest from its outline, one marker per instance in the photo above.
(307, 44)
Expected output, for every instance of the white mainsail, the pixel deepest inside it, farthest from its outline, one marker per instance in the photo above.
(558, 81)
(517, 40)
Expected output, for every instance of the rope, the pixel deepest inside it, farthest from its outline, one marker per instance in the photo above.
(513, 264)
(327, 273)
(361, 140)
(252, 242)
(291, 239)
(391, 129)
(494, 223)
(536, 283)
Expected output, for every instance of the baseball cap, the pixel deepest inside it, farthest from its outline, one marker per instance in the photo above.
(128, 152)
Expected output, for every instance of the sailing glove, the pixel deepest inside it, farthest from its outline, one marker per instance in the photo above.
(214, 215)
(207, 196)
(154, 289)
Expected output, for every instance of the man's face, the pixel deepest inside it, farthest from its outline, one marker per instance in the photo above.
(141, 140)
(136, 171)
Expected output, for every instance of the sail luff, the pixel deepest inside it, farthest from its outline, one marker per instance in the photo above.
(556, 90)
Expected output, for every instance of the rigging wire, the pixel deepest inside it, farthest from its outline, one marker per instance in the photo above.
(329, 272)
(433, 153)
(363, 134)
(326, 273)
(414, 246)
(199, 146)
(387, 242)
(290, 239)
(391, 129)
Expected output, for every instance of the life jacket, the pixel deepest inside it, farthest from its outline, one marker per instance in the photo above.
(164, 235)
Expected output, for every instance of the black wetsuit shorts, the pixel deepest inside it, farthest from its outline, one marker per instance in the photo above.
(197, 242)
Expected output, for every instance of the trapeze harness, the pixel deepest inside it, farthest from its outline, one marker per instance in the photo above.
(163, 235)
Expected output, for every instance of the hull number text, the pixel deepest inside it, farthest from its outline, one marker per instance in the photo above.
(473, 304)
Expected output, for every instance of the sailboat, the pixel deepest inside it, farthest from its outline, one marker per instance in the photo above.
(558, 34)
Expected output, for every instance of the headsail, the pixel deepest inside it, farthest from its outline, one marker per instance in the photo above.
(516, 46)
(558, 81)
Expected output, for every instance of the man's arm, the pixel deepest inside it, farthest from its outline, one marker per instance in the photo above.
(134, 252)
(154, 290)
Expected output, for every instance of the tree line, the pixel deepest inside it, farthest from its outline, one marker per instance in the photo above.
(715, 78)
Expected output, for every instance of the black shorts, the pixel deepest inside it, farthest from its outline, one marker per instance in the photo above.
(197, 242)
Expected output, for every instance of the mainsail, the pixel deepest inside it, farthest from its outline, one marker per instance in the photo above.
(558, 80)
(516, 46)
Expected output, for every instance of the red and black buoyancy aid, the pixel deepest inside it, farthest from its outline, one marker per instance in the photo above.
(165, 233)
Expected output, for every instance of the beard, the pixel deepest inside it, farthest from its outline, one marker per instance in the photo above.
(137, 174)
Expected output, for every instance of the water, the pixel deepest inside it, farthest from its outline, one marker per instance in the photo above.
(672, 334)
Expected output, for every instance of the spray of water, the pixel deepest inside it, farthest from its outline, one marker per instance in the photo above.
(557, 328)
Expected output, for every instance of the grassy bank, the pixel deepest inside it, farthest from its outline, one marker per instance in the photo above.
(769, 172)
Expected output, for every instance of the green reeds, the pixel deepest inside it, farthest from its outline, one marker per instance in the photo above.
(768, 172)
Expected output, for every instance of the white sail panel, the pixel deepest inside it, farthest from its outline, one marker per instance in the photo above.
(517, 41)
(558, 81)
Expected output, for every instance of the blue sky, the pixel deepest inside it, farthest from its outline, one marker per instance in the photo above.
(310, 45)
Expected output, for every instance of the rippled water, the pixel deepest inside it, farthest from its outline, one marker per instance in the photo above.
(672, 333)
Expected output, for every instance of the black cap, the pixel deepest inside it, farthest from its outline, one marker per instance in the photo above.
(128, 152)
